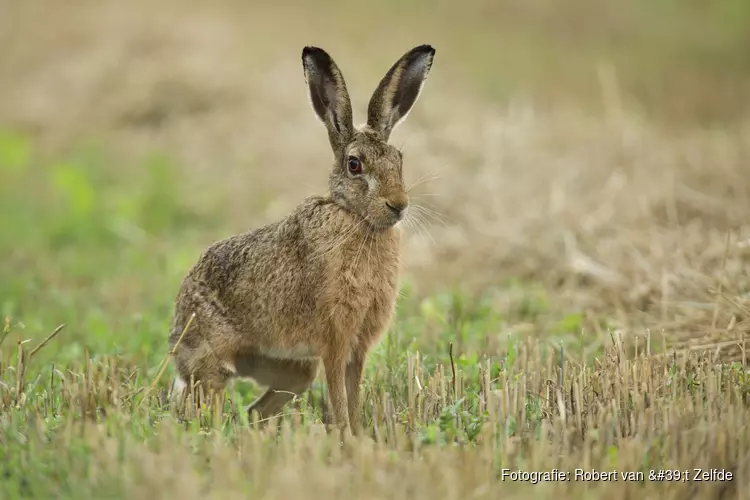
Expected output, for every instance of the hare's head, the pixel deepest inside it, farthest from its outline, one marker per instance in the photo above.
(367, 172)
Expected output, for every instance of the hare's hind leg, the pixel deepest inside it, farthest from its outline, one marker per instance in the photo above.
(285, 379)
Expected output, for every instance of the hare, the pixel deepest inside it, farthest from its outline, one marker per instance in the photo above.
(320, 284)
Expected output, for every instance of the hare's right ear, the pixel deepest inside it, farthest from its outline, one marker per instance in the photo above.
(328, 95)
(399, 89)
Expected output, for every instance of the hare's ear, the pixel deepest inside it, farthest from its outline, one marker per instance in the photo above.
(328, 95)
(399, 89)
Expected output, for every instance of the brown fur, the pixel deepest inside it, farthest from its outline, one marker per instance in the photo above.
(320, 284)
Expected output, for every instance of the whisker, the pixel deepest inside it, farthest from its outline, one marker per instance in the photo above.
(359, 250)
(406, 139)
(417, 196)
(425, 230)
(429, 176)
(369, 253)
(427, 207)
(426, 204)
(408, 223)
(416, 224)
(434, 214)
(422, 180)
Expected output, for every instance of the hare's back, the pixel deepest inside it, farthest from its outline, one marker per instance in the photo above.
(241, 260)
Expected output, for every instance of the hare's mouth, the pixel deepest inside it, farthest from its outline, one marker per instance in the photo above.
(386, 214)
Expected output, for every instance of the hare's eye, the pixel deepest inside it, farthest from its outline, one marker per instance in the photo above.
(354, 165)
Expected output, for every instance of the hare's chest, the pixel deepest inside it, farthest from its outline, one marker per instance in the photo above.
(355, 294)
(361, 287)
(369, 286)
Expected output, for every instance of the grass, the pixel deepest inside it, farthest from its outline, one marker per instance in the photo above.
(437, 427)
(576, 296)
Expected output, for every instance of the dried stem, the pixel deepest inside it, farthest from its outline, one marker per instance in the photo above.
(453, 369)
(46, 341)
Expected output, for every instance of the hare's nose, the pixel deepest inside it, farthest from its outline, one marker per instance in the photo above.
(397, 207)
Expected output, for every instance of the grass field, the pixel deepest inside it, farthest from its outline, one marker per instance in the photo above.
(576, 296)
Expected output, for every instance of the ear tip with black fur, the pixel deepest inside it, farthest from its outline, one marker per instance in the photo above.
(310, 49)
(315, 59)
(310, 52)
(425, 48)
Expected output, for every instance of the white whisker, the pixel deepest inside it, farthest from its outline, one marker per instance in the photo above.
(415, 223)
(429, 176)
(406, 139)
(434, 214)
(417, 196)
(359, 250)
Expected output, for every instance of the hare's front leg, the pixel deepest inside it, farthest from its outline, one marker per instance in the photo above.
(335, 367)
(353, 382)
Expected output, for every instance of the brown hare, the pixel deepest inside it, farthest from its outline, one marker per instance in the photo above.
(321, 284)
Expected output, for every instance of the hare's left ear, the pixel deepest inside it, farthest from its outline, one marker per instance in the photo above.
(399, 89)
(328, 95)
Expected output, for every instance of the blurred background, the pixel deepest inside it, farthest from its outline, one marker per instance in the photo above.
(582, 164)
